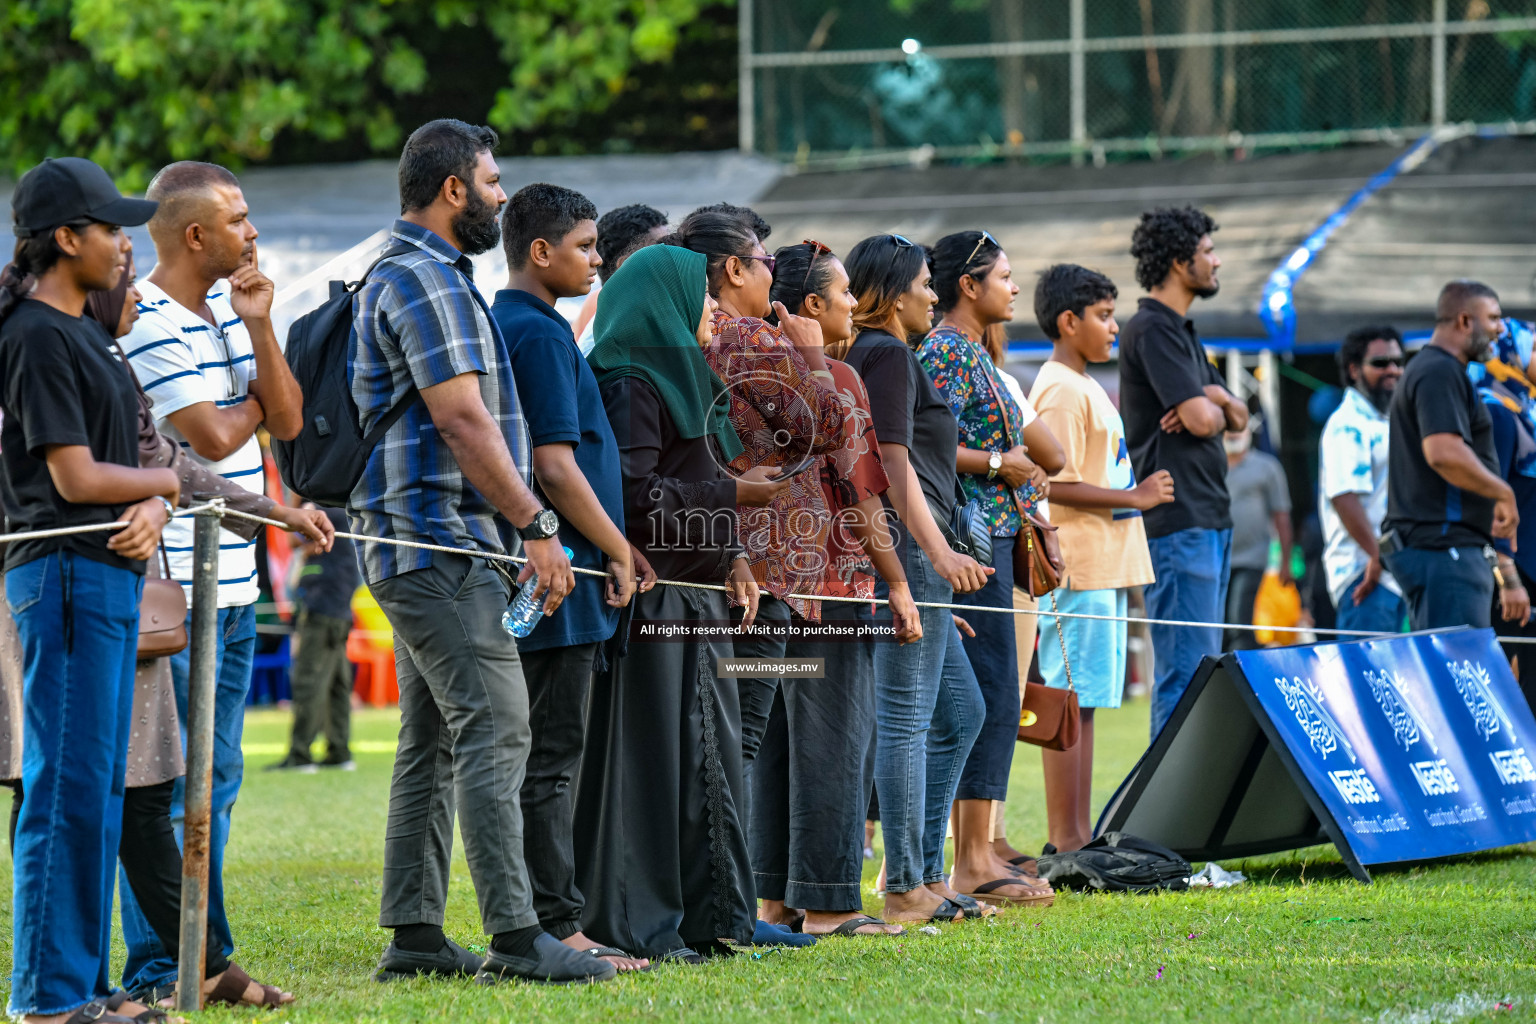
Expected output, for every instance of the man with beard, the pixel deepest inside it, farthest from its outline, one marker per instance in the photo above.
(1352, 482)
(454, 470)
(1175, 410)
(209, 360)
(1445, 498)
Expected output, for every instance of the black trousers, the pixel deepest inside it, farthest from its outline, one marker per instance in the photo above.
(1525, 652)
(152, 861)
(814, 772)
(758, 695)
(559, 683)
(1242, 590)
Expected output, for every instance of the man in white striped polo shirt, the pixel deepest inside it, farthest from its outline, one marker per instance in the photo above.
(208, 358)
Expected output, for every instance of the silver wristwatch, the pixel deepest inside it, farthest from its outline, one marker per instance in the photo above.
(994, 463)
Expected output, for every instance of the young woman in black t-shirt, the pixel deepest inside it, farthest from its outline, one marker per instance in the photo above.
(70, 458)
(928, 706)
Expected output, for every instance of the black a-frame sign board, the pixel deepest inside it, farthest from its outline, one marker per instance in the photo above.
(1218, 782)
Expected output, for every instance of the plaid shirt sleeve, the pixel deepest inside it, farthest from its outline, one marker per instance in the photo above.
(429, 313)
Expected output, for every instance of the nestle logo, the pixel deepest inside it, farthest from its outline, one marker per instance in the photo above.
(1513, 766)
(1355, 786)
(1435, 778)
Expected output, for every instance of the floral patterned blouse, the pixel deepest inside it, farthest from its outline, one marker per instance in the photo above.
(989, 418)
(783, 414)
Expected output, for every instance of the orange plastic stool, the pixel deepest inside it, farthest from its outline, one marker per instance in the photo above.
(376, 683)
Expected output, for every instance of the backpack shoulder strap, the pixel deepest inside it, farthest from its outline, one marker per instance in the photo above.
(396, 249)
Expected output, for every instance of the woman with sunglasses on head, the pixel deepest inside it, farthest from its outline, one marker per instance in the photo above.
(660, 838)
(787, 415)
(69, 450)
(928, 707)
(812, 776)
(1003, 457)
(150, 854)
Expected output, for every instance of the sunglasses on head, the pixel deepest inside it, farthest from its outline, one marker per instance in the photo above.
(1382, 362)
(902, 242)
(986, 236)
(817, 249)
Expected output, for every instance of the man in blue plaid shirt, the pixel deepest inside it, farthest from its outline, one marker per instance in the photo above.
(453, 471)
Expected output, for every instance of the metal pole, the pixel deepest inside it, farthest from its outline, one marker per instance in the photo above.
(1078, 82)
(199, 791)
(746, 100)
(1437, 67)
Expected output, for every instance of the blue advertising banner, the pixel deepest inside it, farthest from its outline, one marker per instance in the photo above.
(1420, 746)
(1399, 749)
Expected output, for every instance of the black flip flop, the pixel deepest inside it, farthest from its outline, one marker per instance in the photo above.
(973, 908)
(680, 955)
(853, 924)
(987, 893)
(947, 912)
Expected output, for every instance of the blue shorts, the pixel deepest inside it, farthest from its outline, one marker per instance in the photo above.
(1095, 648)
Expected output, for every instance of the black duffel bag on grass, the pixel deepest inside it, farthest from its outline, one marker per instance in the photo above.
(1116, 862)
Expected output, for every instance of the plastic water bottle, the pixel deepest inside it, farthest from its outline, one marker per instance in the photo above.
(524, 612)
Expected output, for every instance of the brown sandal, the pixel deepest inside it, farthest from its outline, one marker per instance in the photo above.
(230, 990)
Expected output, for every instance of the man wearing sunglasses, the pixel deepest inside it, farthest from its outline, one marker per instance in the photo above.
(1352, 482)
(1446, 501)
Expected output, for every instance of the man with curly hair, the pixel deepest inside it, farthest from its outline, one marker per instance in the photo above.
(1175, 410)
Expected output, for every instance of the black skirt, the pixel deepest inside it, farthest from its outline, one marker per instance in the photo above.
(661, 852)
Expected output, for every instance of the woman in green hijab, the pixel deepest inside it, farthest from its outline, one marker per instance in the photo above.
(660, 844)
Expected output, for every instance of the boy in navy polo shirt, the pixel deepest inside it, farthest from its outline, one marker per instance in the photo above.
(550, 237)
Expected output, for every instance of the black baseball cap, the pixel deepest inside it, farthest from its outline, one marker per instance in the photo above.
(71, 188)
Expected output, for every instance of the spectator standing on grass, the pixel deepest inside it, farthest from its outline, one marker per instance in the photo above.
(207, 356)
(1352, 483)
(550, 239)
(70, 458)
(322, 675)
(1505, 387)
(1003, 460)
(1446, 501)
(1097, 507)
(453, 471)
(619, 233)
(1176, 409)
(1261, 512)
(150, 856)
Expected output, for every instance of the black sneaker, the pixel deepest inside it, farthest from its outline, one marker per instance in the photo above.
(451, 961)
(288, 764)
(552, 963)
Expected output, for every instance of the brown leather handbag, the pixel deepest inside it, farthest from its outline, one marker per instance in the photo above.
(162, 615)
(1036, 556)
(1050, 717)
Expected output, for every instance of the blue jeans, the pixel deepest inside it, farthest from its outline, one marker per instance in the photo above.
(1381, 611)
(148, 963)
(1444, 588)
(79, 625)
(994, 656)
(928, 711)
(1192, 567)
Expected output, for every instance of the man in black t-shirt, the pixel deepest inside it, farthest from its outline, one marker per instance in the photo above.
(1175, 410)
(1445, 498)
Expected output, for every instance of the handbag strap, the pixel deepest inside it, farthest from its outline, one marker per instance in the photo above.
(1066, 663)
(1013, 435)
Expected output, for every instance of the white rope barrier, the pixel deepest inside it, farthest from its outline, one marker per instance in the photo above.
(947, 606)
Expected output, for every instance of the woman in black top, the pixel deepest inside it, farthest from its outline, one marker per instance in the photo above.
(661, 847)
(928, 707)
(69, 446)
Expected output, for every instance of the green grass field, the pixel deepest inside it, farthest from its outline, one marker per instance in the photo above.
(1300, 942)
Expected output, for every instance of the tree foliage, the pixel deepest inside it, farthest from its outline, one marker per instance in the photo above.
(134, 83)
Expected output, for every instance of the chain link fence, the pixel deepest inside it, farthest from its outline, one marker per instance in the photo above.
(862, 82)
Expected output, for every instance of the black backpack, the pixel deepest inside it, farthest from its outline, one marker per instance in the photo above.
(1116, 862)
(326, 460)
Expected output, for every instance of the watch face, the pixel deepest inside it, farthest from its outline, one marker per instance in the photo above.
(547, 523)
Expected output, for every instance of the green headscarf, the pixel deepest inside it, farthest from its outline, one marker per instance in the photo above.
(646, 317)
